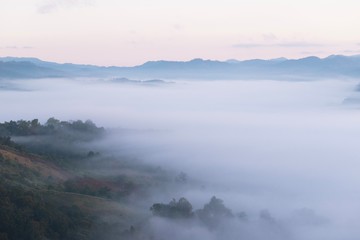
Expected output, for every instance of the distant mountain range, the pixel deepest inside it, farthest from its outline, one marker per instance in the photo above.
(280, 68)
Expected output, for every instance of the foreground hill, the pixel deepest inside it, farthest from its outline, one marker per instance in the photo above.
(50, 189)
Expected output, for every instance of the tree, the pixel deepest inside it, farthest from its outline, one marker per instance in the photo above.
(213, 212)
(175, 209)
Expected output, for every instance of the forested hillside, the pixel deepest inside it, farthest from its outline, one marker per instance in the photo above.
(49, 189)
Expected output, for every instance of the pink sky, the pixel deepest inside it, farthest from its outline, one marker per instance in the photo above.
(111, 32)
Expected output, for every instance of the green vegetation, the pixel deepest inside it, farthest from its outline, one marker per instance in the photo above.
(56, 140)
(210, 215)
(14, 172)
(53, 186)
(214, 212)
(26, 214)
(72, 130)
(175, 209)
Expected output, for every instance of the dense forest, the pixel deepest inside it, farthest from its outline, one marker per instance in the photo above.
(55, 139)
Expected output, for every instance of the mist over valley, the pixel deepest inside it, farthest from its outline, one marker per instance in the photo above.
(280, 157)
(179, 120)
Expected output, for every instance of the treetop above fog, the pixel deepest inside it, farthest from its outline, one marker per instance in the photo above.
(210, 215)
(51, 127)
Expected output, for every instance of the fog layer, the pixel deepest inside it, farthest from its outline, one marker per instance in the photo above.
(288, 147)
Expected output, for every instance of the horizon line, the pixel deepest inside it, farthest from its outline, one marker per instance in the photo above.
(185, 61)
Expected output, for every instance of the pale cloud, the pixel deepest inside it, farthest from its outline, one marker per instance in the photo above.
(48, 6)
(312, 52)
(250, 45)
(282, 44)
(352, 51)
(177, 27)
(14, 47)
(269, 37)
(299, 44)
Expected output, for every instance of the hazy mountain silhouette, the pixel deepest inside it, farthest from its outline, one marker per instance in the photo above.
(280, 68)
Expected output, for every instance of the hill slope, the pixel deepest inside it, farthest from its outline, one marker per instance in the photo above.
(55, 194)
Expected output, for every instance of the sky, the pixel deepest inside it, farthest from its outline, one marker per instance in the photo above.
(131, 32)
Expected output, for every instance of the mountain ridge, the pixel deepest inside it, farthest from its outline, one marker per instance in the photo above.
(311, 66)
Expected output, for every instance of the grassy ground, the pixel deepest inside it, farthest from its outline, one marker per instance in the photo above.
(102, 199)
